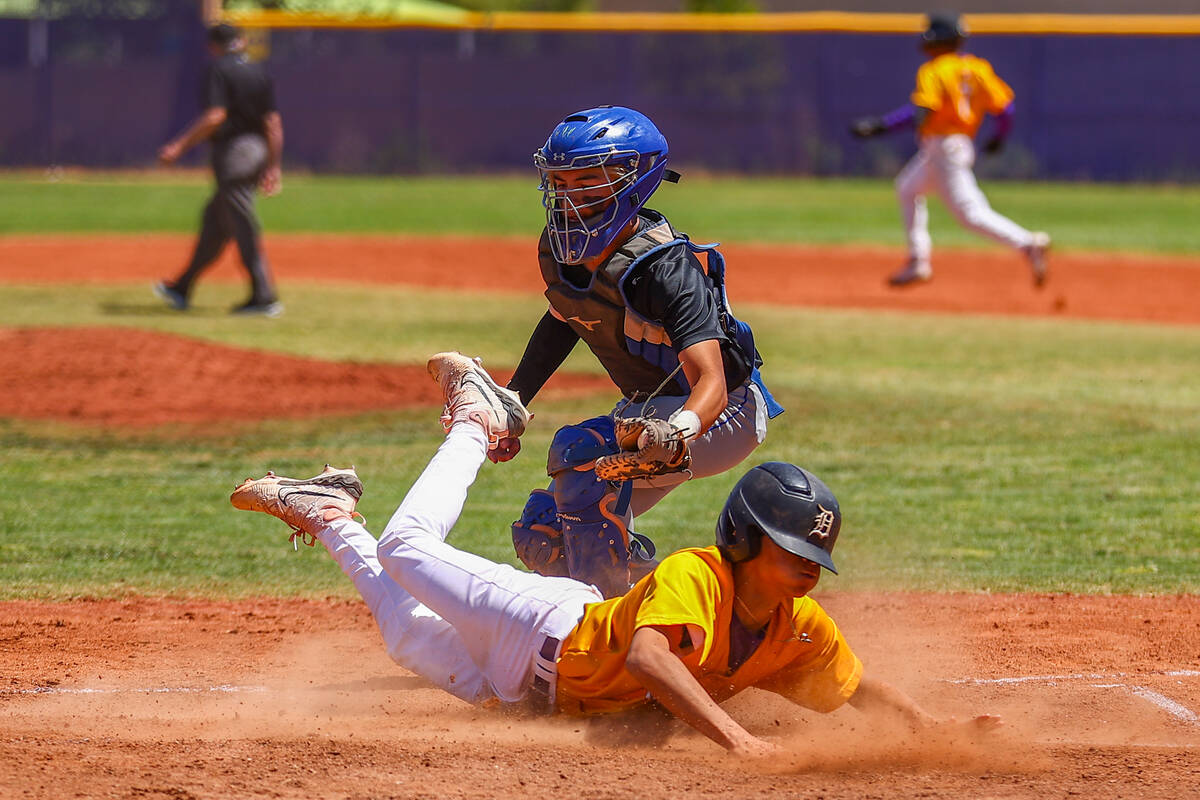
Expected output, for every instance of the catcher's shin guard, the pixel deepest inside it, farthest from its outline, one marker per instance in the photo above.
(537, 536)
(595, 537)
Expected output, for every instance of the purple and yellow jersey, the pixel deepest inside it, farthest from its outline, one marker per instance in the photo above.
(802, 657)
(959, 90)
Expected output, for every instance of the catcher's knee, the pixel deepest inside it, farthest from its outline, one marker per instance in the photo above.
(580, 444)
(537, 536)
(595, 533)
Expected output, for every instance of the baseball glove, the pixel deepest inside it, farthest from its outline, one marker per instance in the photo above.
(649, 447)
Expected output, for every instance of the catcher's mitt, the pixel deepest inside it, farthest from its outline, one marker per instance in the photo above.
(649, 447)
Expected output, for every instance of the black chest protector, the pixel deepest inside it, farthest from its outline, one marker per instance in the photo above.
(635, 350)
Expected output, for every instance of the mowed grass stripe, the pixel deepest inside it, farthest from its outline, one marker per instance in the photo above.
(1127, 217)
(969, 453)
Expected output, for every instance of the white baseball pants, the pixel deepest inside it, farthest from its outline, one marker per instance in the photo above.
(944, 164)
(469, 625)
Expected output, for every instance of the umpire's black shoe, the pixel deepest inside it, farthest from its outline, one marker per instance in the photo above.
(171, 296)
(253, 309)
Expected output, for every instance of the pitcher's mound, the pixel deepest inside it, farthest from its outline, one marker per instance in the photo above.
(128, 377)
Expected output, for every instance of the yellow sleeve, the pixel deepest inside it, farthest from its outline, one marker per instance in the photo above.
(826, 675)
(682, 590)
(928, 93)
(998, 93)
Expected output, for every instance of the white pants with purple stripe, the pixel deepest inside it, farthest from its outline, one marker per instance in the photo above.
(469, 625)
(944, 165)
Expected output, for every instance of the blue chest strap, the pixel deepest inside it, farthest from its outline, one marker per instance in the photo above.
(739, 331)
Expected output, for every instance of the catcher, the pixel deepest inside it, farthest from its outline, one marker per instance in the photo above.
(620, 278)
(706, 624)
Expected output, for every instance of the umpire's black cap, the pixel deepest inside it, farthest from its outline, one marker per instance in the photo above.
(223, 34)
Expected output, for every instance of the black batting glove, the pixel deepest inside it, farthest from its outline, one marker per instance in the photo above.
(865, 127)
(994, 145)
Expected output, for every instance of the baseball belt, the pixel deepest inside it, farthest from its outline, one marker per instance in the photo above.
(545, 676)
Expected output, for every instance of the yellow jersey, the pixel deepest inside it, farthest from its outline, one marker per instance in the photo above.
(802, 657)
(958, 89)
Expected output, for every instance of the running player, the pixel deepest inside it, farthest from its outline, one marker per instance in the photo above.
(954, 92)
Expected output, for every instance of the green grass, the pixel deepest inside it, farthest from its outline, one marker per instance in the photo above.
(1080, 216)
(968, 453)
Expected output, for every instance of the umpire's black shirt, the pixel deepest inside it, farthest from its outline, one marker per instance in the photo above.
(243, 89)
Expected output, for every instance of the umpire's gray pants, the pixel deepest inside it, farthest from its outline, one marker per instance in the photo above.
(237, 165)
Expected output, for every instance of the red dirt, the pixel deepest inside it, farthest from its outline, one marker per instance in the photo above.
(313, 708)
(108, 377)
(1090, 286)
(114, 377)
(124, 698)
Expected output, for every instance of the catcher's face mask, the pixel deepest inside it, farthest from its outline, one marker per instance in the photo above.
(582, 202)
(597, 168)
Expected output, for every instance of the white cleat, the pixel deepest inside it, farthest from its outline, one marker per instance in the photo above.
(1035, 252)
(913, 272)
(307, 506)
(471, 394)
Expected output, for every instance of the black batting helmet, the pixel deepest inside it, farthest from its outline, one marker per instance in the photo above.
(788, 505)
(944, 27)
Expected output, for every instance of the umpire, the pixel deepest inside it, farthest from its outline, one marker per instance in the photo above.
(247, 143)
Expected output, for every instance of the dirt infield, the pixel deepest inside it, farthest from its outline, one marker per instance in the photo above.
(1087, 286)
(271, 698)
(182, 699)
(92, 375)
(95, 376)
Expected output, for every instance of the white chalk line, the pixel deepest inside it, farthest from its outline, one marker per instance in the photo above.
(1172, 707)
(1078, 676)
(225, 689)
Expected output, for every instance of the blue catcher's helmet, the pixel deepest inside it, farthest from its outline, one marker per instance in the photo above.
(629, 156)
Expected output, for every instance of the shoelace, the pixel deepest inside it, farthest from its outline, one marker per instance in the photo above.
(311, 540)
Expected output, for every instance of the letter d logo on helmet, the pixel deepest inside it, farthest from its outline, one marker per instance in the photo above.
(788, 505)
(598, 168)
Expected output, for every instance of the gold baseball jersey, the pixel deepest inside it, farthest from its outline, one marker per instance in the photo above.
(802, 657)
(959, 90)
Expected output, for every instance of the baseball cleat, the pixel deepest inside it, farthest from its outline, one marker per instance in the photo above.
(1036, 253)
(471, 394)
(914, 272)
(307, 506)
(272, 309)
(170, 295)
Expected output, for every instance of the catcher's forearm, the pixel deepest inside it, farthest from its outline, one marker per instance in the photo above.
(665, 677)
(549, 345)
(708, 400)
(705, 371)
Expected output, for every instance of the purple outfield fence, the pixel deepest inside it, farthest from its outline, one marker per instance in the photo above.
(106, 93)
